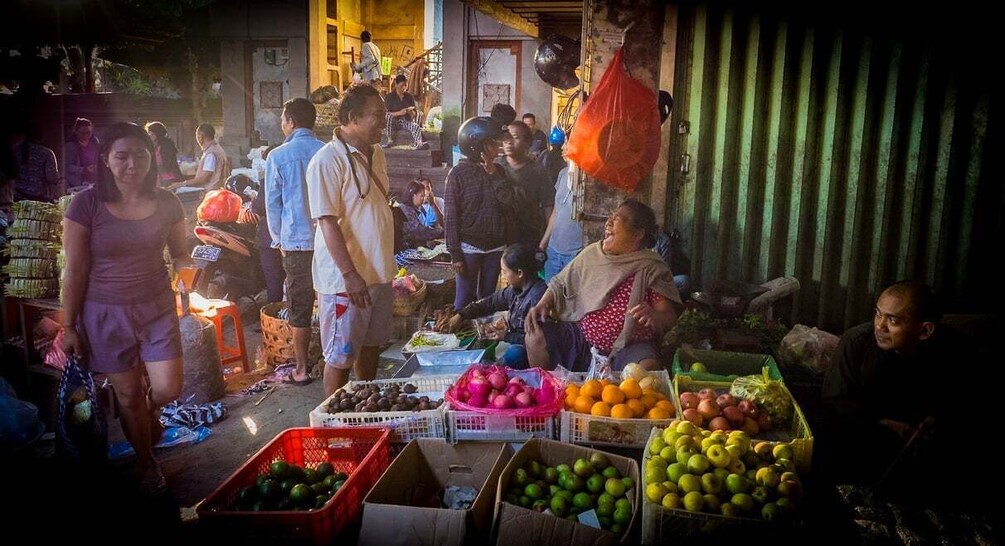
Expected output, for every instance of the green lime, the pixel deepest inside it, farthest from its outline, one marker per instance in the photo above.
(279, 469)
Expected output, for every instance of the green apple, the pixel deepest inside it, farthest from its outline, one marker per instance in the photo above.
(611, 472)
(670, 486)
(670, 436)
(697, 464)
(599, 461)
(689, 483)
(553, 490)
(685, 453)
(676, 471)
(605, 498)
(783, 451)
(687, 441)
(563, 468)
(718, 456)
(722, 473)
(770, 512)
(687, 428)
(628, 482)
(656, 445)
(614, 487)
(790, 477)
(750, 459)
(744, 501)
(786, 464)
(736, 483)
(736, 467)
(729, 510)
(669, 453)
(655, 492)
(575, 484)
(751, 475)
(672, 501)
(766, 477)
(710, 483)
(535, 469)
(652, 474)
(605, 508)
(623, 503)
(712, 503)
(698, 367)
(582, 501)
(786, 506)
(551, 474)
(622, 515)
(595, 483)
(735, 451)
(760, 494)
(559, 506)
(658, 461)
(521, 478)
(583, 468)
(763, 450)
(790, 490)
(709, 442)
(694, 502)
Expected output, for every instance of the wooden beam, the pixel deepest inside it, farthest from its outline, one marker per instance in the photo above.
(497, 11)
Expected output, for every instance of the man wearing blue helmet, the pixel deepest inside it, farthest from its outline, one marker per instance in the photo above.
(552, 159)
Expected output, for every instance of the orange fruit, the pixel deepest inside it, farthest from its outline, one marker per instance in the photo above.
(622, 411)
(613, 395)
(602, 409)
(572, 389)
(583, 404)
(666, 406)
(592, 388)
(658, 413)
(648, 400)
(638, 408)
(570, 401)
(631, 389)
(606, 382)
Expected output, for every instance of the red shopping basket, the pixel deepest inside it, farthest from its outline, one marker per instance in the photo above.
(362, 453)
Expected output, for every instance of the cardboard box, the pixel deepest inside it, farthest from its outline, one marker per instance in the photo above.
(422, 470)
(517, 525)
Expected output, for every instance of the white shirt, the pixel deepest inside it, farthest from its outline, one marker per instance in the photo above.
(365, 222)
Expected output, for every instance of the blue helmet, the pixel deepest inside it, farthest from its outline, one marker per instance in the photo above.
(556, 137)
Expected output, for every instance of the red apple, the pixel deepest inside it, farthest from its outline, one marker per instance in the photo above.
(719, 423)
(734, 415)
(764, 422)
(747, 407)
(708, 409)
(689, 400)
(750, 427)
(707, 394)
(725, 400)
(692, 415)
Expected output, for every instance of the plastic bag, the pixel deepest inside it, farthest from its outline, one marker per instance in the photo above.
(808, 347)
(18, 419)
(616, 138)
(767, 393)
(548, 393)
(221, 206)
(81, 430)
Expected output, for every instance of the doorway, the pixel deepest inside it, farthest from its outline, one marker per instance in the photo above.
(493, 75)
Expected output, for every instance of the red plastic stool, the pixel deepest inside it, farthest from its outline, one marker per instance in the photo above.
(228, 353)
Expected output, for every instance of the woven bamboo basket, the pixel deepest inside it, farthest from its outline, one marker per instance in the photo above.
(405, 306)
(277, 337)
(30, 248)
(37, 210)
(32, 288)
(31, 268)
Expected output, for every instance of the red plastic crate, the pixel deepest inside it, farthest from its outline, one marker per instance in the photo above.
(363, 453)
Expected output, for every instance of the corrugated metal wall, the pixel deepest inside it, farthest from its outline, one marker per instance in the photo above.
(844, 158)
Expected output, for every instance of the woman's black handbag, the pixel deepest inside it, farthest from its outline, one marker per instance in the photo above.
(81, 429)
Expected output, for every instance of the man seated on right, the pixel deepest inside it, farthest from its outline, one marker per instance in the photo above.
(402, 114)
(884, 384)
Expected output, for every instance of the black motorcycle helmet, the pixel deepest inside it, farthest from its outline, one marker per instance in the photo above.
(556, 60)
(473, 132)
(238, 183)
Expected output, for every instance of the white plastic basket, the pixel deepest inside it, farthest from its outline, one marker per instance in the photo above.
(405, 425)
(581, 428)
(469, 425)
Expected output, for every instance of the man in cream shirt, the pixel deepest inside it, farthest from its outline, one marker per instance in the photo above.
(354, 244)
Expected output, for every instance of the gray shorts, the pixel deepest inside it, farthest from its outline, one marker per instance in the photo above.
(299, 286)
(121, 336)
(346, 328)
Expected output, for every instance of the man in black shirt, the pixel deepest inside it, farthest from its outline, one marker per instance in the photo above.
(539, 140)
(882, 388)
(402, 113)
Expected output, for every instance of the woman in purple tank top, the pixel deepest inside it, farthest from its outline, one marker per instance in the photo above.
(119, 309)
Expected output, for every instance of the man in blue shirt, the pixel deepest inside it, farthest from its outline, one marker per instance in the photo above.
(290, 224)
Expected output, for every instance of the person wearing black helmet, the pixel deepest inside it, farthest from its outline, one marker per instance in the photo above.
(477, 225)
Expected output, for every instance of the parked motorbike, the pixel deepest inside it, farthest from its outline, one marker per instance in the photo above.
(228, 257)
